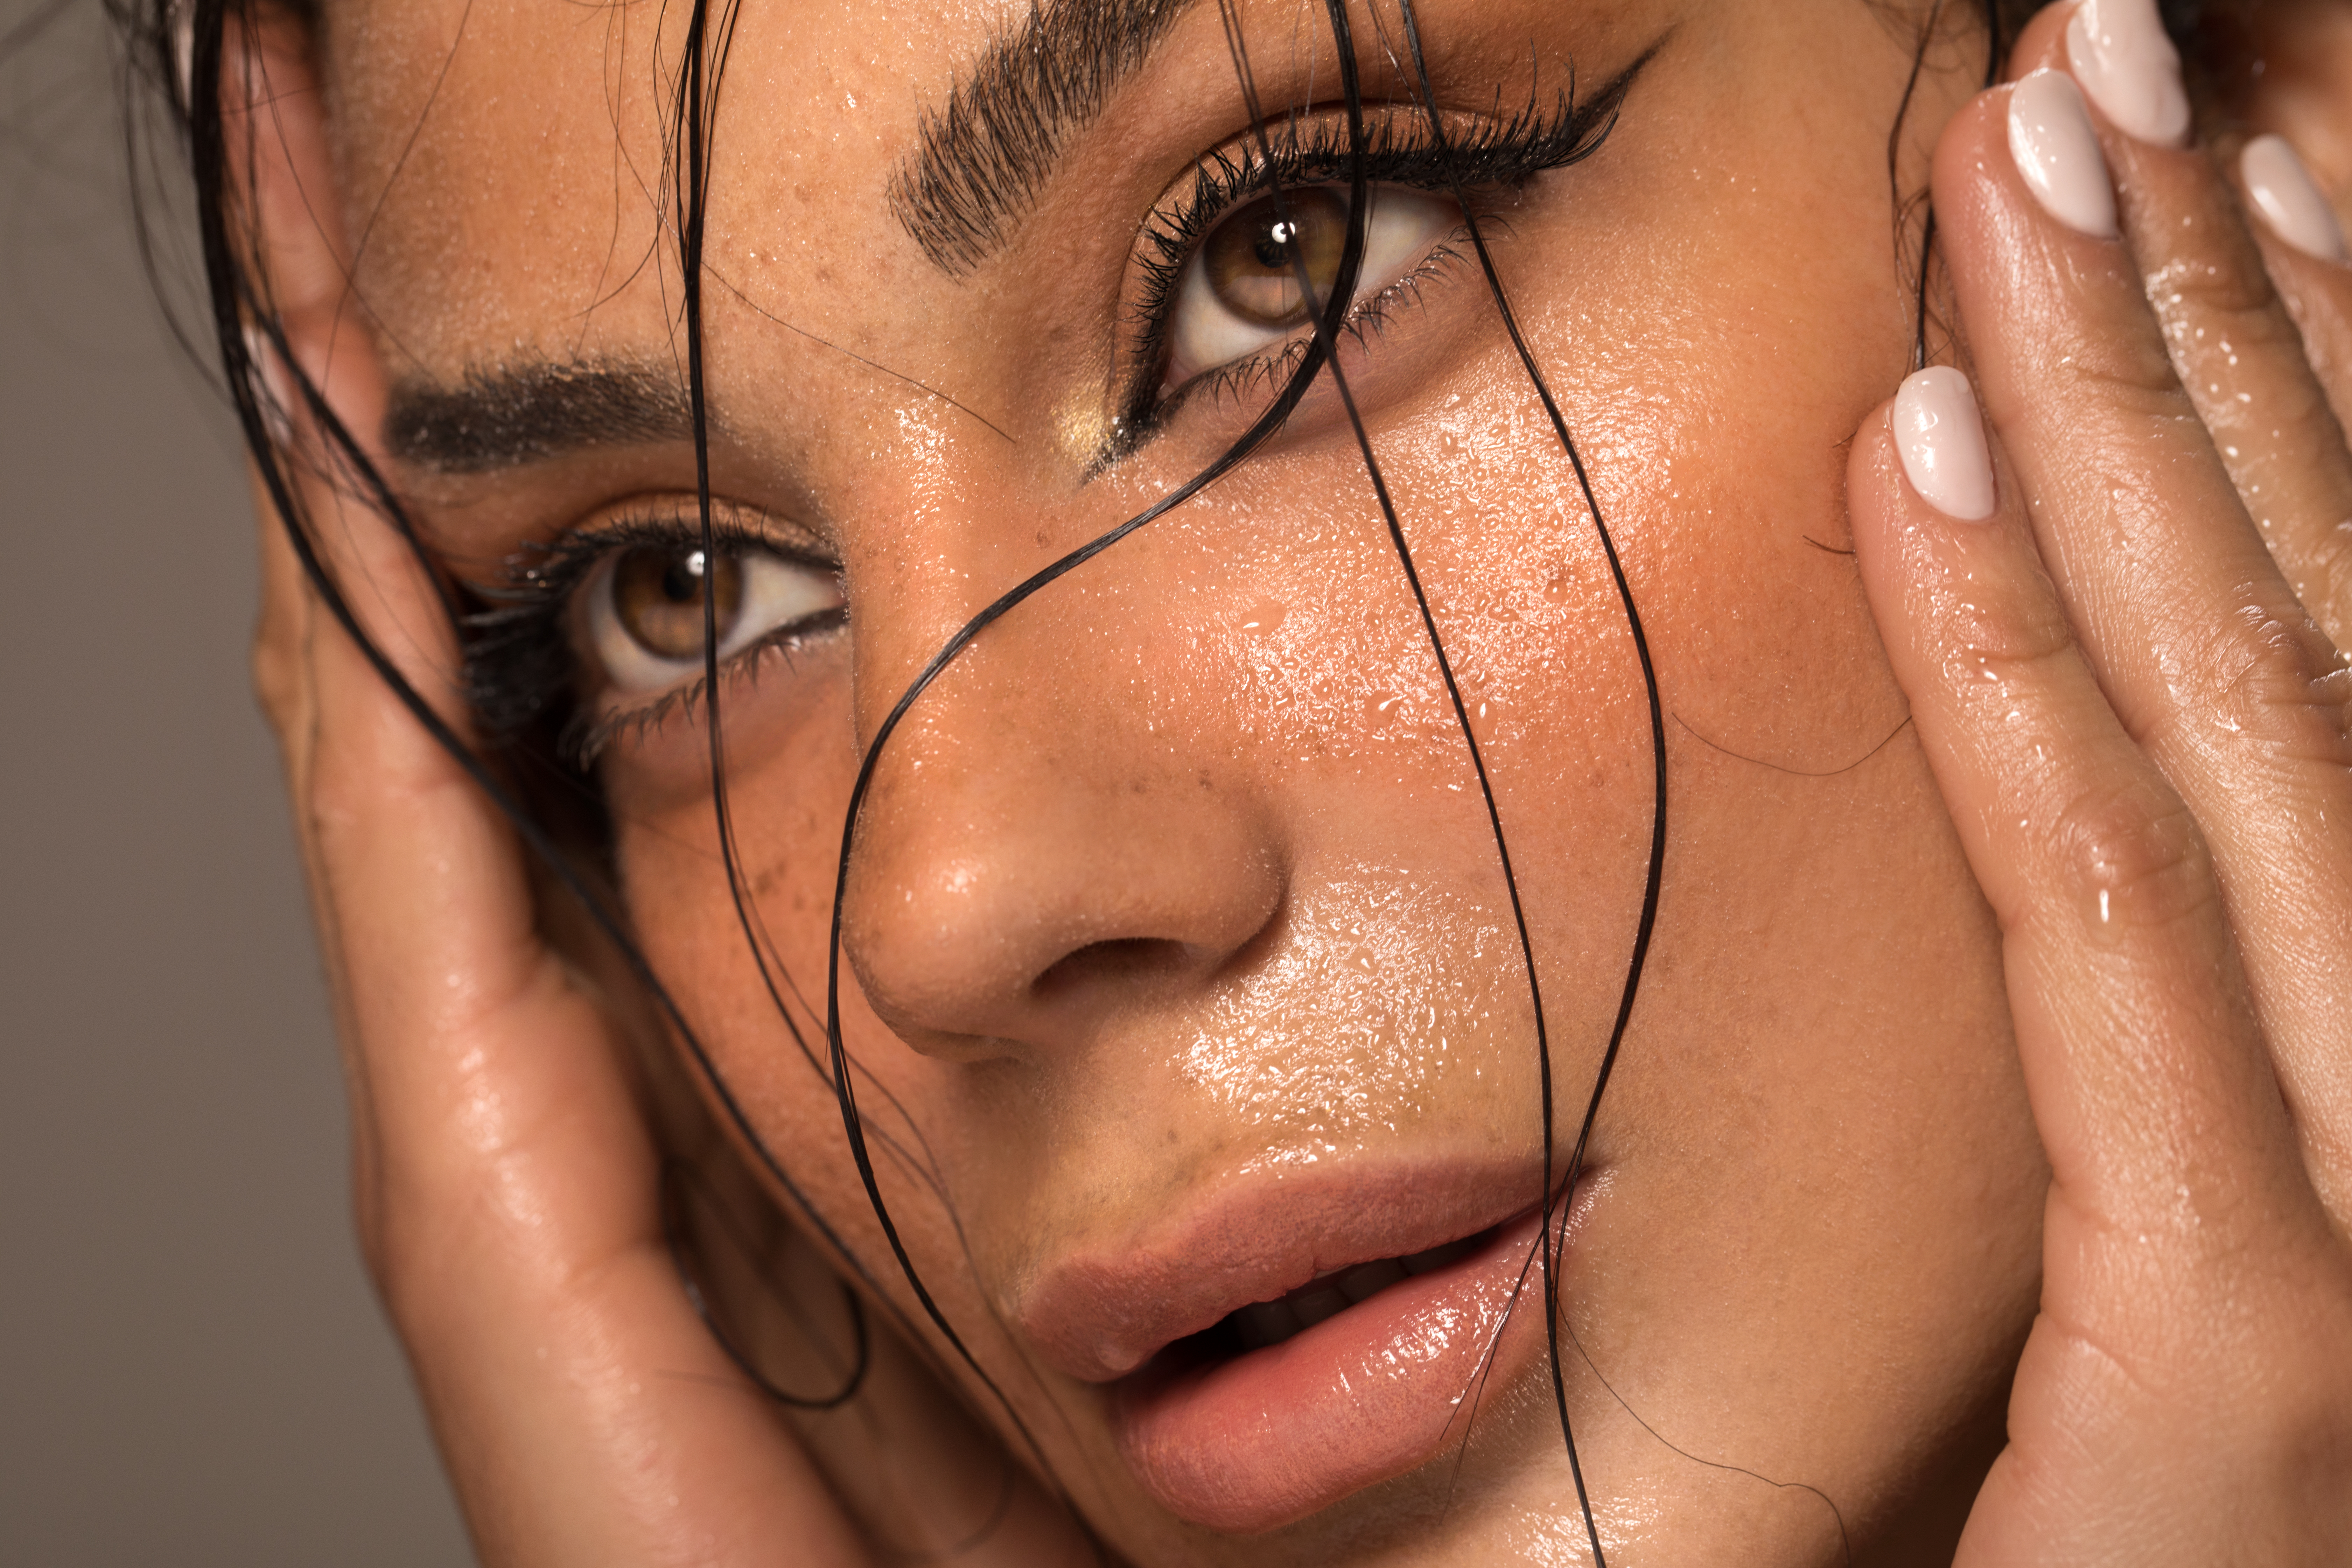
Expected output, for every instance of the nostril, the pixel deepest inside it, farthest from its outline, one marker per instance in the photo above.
(1123, 959)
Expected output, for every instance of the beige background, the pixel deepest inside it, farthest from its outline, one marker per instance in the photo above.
(191, 1369)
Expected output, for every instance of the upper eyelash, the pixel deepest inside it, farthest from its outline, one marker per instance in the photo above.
(1399, 150)
(521, 670)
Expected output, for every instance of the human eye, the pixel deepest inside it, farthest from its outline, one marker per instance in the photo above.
(601, 634)
(1239, 293)
(1219, 309)
(643, 610)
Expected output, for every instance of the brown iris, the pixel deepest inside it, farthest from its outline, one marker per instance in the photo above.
(657, 598)
(1251, 259)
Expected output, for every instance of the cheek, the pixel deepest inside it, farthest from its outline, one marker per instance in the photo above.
(788, 748)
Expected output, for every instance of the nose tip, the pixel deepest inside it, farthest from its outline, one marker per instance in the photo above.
(1023, 910)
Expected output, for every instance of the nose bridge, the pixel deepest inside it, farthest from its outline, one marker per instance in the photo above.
(1057, 826)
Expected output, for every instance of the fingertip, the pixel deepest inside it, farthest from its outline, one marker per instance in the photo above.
(2055, 149)
(2281, 188)
(1940, 437)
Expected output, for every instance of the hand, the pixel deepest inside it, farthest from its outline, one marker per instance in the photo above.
(508, 1178)
(2127, 680)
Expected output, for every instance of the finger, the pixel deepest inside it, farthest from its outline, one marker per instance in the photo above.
(2240, 357)
(584, 1411)
(2137, 1032)
(2301, 92)
(2171, 1159)
(2196, 639)
(2304, 255)
(2235, 347)
(508, 1191)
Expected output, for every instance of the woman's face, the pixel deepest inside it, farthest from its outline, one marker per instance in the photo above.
(1180, 966)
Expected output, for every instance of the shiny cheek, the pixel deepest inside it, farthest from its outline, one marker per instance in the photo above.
(1396, 997)
(1390, 1001)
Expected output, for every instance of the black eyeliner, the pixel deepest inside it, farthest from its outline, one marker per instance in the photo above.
(1495, 155)
(523, 669)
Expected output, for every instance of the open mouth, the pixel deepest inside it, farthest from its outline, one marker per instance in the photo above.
(1283, 1406)
(1263, 1324)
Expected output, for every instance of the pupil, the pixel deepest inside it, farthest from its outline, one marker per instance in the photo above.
(682, 578)
(1252, 257)
(657, 598)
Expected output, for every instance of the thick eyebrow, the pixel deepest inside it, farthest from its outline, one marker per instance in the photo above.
(980, 161)
(533, 413)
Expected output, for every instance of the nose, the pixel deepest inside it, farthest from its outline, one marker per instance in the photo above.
(1057, 836)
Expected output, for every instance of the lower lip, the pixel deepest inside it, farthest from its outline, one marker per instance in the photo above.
(1275, 1435)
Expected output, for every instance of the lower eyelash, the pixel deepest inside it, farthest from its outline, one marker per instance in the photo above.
(586, 737)
(522, 675)
(1245, 377)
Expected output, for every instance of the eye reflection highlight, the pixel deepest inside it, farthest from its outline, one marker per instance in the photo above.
(1240, 292)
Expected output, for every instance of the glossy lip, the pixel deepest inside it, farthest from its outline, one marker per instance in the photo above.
(1371, 1392)
(1100, 1315)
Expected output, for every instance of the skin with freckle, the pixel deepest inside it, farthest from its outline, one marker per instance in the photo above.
(1228, 738)
(1179, 883)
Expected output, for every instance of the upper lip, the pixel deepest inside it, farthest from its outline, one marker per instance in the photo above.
(1100, 1313)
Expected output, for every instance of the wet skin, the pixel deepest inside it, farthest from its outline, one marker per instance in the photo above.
(1179, 968)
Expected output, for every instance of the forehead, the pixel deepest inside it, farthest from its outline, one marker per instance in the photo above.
(509, 166)
(509, 170)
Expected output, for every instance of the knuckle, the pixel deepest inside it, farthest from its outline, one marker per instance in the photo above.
(2130, 372)
(2208, 302)
(2322, 564)
(2280, 687)
(2132, 856)
(2017, 640)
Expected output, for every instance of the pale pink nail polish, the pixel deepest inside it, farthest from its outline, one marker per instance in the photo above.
(2125, 61)
(1942, 438)
(2288, 198)
(2057, 153)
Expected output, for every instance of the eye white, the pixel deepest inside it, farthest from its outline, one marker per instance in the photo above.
(1402, 227)
(776, 593)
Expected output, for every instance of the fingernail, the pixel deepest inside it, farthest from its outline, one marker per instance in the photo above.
(2057, 151)
(2127, 63)
(1941, 437)
(2289, 199)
